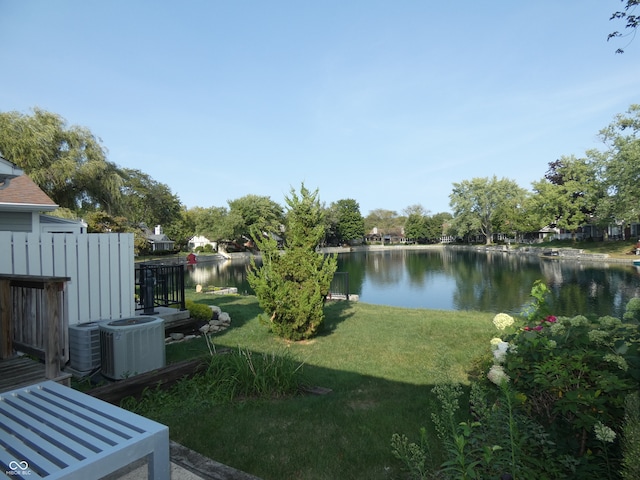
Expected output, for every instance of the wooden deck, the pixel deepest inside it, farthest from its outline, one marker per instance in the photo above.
(22, 371)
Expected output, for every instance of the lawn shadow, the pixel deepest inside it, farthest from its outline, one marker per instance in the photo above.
(349, 430)
(335, 312)
(243, 309)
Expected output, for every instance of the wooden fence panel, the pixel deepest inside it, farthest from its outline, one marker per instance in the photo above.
(100, 267)
(32, 252)
(74, 286)
(127, 273)
(81, 301)
(114, 277)
(105, 280)
(46, 254)
(93, 276)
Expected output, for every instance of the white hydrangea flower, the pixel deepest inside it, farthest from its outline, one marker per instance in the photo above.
(500, 352)
(495, 341)
(610, 322)
(557, 329)
(599, 337)
(502, 321)
(617, 359)
(579, 321)
(497, 375)
(604, 433)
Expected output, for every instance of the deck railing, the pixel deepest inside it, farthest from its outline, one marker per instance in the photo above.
(339, 286)
(159, 286)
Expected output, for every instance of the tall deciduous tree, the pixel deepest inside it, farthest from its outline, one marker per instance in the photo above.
(350, 223)
(101, 222)
(292, 286)
(181, 228)
(68, 163)
(144, 200)
(568, 195)
(212, 223)
(631, 20)
(436, 225)
(485, 206)
(415, 225)
(253, 212)
(620, 167)
(385, 221)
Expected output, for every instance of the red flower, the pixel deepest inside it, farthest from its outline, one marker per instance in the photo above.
(538, 327)
(551, 319)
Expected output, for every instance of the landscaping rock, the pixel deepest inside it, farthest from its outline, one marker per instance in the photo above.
(212, 326)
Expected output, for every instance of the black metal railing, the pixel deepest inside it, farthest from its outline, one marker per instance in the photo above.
(339, 287)
(159, 286)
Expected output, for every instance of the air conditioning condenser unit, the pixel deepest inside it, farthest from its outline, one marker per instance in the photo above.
(132, 346)
(84, 346)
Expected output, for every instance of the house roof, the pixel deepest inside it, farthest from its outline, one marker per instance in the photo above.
(159, 238)
(8, 171)
(61, 221)
(8, 168)
(23, 194)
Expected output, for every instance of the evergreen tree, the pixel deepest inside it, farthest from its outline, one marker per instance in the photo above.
(291, 286)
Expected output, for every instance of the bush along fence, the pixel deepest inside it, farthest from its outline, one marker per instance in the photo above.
(560, 401)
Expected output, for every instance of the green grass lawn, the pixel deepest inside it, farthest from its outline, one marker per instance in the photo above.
(380, 363)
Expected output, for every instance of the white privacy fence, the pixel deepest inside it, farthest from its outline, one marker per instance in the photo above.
(100, 266)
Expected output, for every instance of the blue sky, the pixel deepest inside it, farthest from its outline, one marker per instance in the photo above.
(385, 102)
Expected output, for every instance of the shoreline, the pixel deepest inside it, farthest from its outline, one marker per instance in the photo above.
(559, 253)
(548, 253)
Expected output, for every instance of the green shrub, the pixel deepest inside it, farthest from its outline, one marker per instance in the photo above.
(559, 408)
(632, 311)
(573, 375)
(244, 374)
(631, 439)
(292, 285)
(239, 374)
(199, 311)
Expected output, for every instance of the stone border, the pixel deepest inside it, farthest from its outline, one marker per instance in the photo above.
(205, 467)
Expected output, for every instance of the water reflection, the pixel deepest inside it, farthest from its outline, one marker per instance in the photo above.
(221, 273)
(464, 280)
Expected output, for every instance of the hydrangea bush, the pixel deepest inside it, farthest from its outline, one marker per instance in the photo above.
(553, 405)
(572, 376)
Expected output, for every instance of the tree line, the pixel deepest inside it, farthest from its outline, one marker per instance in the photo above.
(70, 164)
(599, 189)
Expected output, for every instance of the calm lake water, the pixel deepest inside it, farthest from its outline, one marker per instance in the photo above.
(449, 279)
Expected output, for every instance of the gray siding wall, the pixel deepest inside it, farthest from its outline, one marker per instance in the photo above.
(15, 221)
